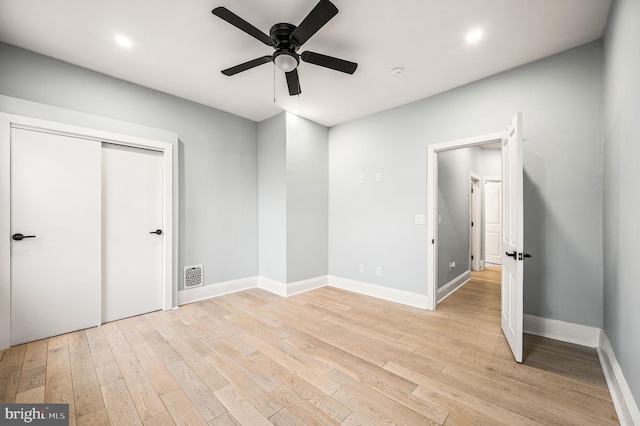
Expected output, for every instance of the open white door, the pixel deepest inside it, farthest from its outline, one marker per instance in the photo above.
(512, 236)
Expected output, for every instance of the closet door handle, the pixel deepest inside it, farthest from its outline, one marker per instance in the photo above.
(511, 254)
(19, 237)
(157, 232)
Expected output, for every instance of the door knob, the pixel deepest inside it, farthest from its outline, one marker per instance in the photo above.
(157, 232)
(19, 237)
(511, 254)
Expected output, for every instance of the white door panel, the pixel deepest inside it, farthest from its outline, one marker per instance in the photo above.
(492, 215)
(55, 195)
(132, 209)
(512, 236)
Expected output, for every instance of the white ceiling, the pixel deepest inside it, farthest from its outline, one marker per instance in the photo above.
(179, 47)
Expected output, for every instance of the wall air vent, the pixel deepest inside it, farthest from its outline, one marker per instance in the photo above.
(193, 276)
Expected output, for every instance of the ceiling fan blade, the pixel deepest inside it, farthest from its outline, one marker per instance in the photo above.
(316, 19)
(293, 82)
(236, 21)
(247, 65)
(329, 62)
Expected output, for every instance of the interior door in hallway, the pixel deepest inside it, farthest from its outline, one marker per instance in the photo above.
(132, 231)
(492, 221)
(55, 207)
(512, 237)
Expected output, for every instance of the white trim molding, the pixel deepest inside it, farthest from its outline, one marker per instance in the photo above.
(386, 293)
(560, 330)
(214, 290)
(449, 288)
(290, 289)
(307, 285)
(626, 406)
(286, 290)
(272, 286)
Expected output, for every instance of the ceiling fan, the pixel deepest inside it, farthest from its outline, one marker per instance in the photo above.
(286, 39)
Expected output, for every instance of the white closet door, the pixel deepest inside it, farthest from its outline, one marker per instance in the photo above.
(132, 210)
(55, 197)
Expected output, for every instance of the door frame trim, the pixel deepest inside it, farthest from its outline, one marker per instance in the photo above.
(8, 121)
(432, 204)
(475, 232)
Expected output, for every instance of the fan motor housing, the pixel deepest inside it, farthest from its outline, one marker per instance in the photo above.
(281, 33)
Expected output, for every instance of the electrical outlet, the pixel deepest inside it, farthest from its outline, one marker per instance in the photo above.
(361, 268)
(361, 178)
(420, 219)
(378, 271)
(452, 265)
(378, 177)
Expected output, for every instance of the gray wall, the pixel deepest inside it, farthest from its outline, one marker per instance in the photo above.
(307, 199)
(218, 154)
(272, 198)
(491, 162)
(454, 168)
(561, 99)
(621, 176)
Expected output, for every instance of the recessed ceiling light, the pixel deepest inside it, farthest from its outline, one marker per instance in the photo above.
(473, 36)
(124, 41)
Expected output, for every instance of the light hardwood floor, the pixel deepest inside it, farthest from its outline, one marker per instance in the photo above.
(324, 357)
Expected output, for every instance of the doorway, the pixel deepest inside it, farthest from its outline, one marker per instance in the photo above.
(512, 223)
(460, 223)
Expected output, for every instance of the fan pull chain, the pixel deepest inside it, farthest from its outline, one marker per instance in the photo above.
(274, 83)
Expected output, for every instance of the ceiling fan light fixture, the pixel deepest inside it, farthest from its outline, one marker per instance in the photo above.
(285, 61)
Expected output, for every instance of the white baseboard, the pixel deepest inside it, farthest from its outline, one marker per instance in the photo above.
(560, 330)
(307, 285)
(386, 293)
(286, 290)
(448, 289)
(272, 286)
(217, 289)
(626, 406)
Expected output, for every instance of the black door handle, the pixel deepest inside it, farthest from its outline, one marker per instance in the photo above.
(19, 237)
(511, 254)
(527, 255)
(157, 232)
